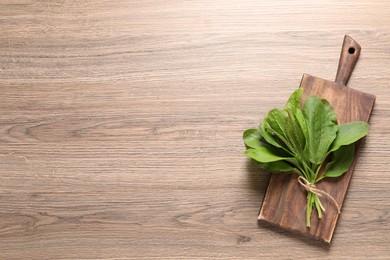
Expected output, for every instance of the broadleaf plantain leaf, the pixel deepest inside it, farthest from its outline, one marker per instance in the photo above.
(341, 160)
(349, 133)
(321, 128)
(276, 167)
(263, 155)
(252, 138)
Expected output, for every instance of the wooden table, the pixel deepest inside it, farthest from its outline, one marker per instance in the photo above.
(121, 125)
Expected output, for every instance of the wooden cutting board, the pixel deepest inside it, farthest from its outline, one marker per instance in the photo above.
(284, 204)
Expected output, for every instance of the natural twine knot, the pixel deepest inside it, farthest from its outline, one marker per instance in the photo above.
(313, 189)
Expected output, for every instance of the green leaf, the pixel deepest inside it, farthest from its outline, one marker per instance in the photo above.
(294, 105)
(329, 111)
(341, 160)
(296, 127)
(268, 137)
(275, 125)
(278, 126)
(302, 124)
(321, 128)
(294, 102)
(263, 155)
(295, 135)
(283, 128)
(276, 167)
(349, 133)
(252, 138)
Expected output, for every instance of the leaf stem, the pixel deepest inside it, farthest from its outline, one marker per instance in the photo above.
(310, 173)
(320, 178)
(317, 171)
(303, 172)
(309, 209)
(318, 205)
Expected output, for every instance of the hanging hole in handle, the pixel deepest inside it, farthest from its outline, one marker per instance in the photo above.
(351, 50)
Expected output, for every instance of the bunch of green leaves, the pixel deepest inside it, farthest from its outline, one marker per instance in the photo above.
(305, 140)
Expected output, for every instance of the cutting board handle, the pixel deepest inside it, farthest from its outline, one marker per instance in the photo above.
(349, 56)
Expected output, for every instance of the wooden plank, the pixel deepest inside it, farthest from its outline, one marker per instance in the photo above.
(285, 201)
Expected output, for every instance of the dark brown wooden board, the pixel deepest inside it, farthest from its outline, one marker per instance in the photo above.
(284, 204)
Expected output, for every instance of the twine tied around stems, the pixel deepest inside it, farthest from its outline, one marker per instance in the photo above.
(310, 187)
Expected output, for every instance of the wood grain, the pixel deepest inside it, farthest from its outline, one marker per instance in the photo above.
(121, 125)
(349, 55)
